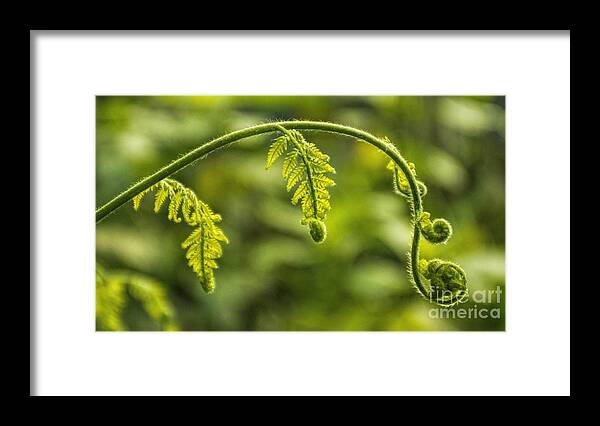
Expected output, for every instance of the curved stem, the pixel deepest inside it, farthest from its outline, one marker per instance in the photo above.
(232, 137)
(202, 151)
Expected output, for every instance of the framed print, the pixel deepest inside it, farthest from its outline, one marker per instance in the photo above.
(300, 213)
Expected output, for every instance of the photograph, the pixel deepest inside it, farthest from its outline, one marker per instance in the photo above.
(300, 213)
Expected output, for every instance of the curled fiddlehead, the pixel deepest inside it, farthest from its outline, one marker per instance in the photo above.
(204, 243)
(304, 168)
(447, 280)
(400, 182)
(437, 231)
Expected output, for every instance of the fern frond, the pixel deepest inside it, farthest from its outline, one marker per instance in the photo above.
(110, 302)
(203, 245)
(447, 281)
(437, 231)
(304, 169)
(112, 289)
(154, 300)
(400, 182)
(203, 248)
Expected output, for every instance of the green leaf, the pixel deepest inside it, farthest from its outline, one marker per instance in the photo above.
(277, 148)
(203, 244)
(289, 163)
(295, 177)
(306, 166)
(160, 198)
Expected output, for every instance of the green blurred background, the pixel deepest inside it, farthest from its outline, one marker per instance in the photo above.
(271, 276)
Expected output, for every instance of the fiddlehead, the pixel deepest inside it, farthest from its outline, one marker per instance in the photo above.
(437, 231)
(400, 182)
(304, 168)
(448, 280)
(204, 243)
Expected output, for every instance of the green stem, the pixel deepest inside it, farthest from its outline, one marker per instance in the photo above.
(203, 150)
(232, 137)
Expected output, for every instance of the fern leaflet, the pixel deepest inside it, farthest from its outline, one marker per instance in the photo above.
(277, 148)
(204, 243)
(304, 168)
(112, 291)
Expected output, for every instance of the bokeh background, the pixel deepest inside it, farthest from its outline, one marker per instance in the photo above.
(272, 277)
